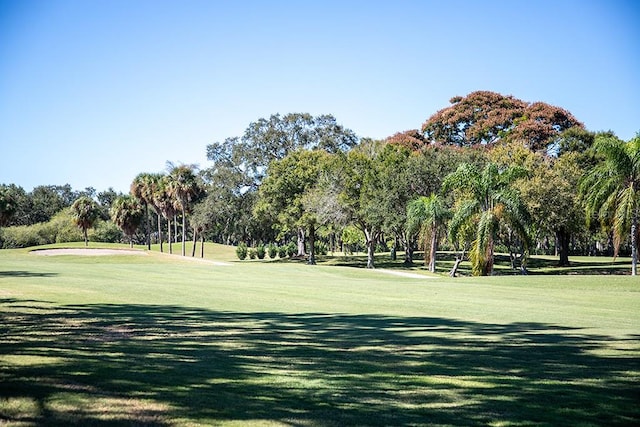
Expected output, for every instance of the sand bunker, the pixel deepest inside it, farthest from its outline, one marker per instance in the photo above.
(87, 252)
(406, 274)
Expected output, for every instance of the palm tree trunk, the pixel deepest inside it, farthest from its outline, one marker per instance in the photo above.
(160, 231)
(184, 231)
(146, 213)
(634, 243)
(434, 250)
(201, 245)
(489, 265)
(169, 234)
(175, 229)
(193, 250)
(86, 236)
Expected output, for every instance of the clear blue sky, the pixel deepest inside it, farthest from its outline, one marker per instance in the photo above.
(92, 92)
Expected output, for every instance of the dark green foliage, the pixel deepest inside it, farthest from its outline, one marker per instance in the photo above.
(321, 247)
(282, 251)
(241, 251)
(107, 232)
(260, 251)
(291, 249)
(272, 250)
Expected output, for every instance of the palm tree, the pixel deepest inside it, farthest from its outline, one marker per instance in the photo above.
(486, 199)
(612, 190)
(151, 194)
(85, 213)
(127, 214)
(141, 190)
(184, 188)
(427, 215)
(165, 203)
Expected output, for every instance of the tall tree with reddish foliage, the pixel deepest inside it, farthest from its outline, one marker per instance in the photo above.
(484, 117)
(411, 139)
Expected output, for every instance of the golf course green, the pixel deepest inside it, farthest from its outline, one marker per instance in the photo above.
(150, 339)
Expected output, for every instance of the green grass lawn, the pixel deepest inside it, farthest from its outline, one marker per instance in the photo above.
(157, 340)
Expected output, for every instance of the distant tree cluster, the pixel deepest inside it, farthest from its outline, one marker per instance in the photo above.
(488, 173)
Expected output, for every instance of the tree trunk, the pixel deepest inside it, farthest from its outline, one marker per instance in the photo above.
(524, 256)
(312, 243)
(160, 231)
(184, 232)
(301, 251)
(193, 250)
(169, 235)
(433, 251)
(394, 250)
(370, 254)
(563, 239)
(488, 271)
(634, 243)
(201, 245)
(408, 250)
(86, 236)
(371, 238)
(456, 265)
(146, 213)
(175, 229)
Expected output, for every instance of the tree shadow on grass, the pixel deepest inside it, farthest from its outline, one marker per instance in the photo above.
(165, 365)
(22, 273)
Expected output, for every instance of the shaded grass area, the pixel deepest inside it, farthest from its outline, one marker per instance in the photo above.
(128, 364)
(536, 264)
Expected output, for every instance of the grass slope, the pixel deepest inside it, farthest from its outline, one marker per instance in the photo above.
(157, 340)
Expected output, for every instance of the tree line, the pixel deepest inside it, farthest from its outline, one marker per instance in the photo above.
(487, 173)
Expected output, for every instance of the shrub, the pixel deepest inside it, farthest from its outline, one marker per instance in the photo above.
(272, 250)
(260, 251)
(63, 229)
(252, 253)
(320, 247)
(292, 249)
(282, 251)
(106, 231)
(23, 236)
(241, 251)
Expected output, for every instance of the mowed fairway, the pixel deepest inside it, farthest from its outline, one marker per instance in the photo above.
(154, 340)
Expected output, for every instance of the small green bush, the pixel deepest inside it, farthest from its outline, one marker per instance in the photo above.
(272, 250)
(320, 247)
(292, 249)
(241, 251)
(252, 253)
(261, 251)
(282, 251)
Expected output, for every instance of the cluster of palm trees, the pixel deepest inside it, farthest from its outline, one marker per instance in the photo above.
(485, 200)
(169, 195)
